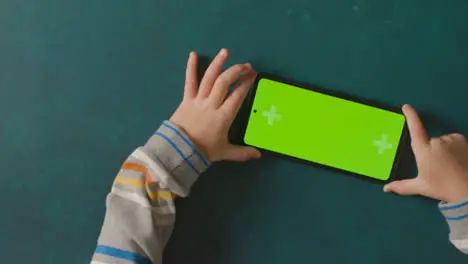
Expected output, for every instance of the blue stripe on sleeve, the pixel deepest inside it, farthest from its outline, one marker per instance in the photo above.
(178, 150)
(187, 141)
(453, 207)
(458, 218)
(122, 254)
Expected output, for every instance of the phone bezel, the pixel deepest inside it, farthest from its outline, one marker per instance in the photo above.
(248, 104)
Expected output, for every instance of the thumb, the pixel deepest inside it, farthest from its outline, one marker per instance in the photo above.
(404, 187)
(240, 153)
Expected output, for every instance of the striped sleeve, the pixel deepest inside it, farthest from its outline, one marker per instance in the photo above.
(140, 209)
(457, 218)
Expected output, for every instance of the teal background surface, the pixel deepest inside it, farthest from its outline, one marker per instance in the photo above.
(82, 83)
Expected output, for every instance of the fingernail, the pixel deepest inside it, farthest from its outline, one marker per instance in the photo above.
(258, 154)
(386, 189)
(245, 69)
(223, 51)
(407, 107)
(248, 65)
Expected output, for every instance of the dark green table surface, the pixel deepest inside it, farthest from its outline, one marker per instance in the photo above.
(82, 83)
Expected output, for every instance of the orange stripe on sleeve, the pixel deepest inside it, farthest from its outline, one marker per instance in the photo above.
(154, 195)
(137, 167)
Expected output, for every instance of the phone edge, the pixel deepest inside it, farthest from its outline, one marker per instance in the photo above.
(248, 103)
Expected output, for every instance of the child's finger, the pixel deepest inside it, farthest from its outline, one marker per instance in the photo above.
(234, 101)
(404, 187)
(419, 138)
(241, 153)
(191, 77)
(225, 80)
(212, 73)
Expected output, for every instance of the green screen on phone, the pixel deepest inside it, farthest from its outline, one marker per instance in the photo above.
(324, 129)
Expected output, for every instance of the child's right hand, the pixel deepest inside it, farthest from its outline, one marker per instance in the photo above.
(442, 164)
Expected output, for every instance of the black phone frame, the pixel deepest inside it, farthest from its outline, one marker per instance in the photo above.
(248, 104)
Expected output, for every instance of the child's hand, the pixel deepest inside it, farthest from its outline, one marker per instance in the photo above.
(442, 164)
(206, 112)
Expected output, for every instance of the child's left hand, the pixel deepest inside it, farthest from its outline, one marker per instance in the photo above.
(206, 112)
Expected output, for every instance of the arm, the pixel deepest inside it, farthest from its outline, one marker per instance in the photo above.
(443, 175)
(457, 218)
(140, 207)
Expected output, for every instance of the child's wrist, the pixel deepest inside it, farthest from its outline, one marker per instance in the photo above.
(457, 199)
(457, 195)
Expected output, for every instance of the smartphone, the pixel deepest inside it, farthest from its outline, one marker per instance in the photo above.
(324, 128)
